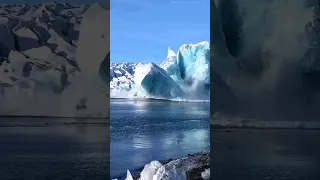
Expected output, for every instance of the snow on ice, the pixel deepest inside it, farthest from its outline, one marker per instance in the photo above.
(52, 52)
(184, 75)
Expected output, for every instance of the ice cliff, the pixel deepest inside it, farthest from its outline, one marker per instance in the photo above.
(190, 68)
(54, 56)
(182, 75)
(156, 82)
(266, 53)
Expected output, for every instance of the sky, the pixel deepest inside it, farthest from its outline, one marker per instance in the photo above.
(142, 30)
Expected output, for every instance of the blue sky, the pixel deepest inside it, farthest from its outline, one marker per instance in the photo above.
(142, 30)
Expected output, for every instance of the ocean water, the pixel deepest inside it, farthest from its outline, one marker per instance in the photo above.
(270, 154)
(54, 149)
(146, 130)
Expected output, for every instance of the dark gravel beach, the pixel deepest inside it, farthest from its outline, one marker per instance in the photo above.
(202, 162)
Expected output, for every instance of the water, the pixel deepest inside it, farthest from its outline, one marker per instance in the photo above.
(253, 154)
(54, 149)
(142, 131)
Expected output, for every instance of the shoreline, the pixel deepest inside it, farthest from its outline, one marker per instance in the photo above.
(16, 122)
(200, 162)
(113, 99)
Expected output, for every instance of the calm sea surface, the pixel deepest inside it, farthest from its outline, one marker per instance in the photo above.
(255, 154)
(54, 149)
(142, 131)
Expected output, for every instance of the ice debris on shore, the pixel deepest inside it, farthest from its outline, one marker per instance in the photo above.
(194, 166)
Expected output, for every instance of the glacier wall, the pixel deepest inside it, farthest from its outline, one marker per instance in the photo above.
(55, 56)
(183, 75)
(156, 82)
(90, 89)
(269, 54)
(190, 68)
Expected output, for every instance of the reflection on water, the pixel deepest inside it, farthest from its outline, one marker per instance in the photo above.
(53, 152)
(155, 130)
(141, 142)
(265, 154)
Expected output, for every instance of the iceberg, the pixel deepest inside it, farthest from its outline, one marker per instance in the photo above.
(185, 75)
(156, 82)
(190, 68)
(171, 65)
(194, 63)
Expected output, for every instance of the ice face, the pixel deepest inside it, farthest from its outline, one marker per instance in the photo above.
(191, 63)
(171, 65)
(194, 62)
(186, 74)
(190, 68)
(277, 72)
(223, 99)
(45, 60)
(156, 82)
(92, 57)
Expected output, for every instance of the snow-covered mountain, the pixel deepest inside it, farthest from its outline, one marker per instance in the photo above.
(183, 75)
(49, 50)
